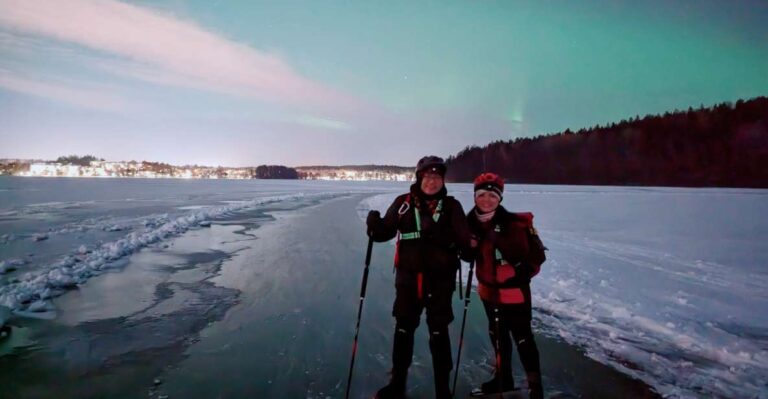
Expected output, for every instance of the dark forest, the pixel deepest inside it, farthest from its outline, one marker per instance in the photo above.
(721, 146)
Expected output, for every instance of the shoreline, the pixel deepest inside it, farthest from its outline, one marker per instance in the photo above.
(385, 181)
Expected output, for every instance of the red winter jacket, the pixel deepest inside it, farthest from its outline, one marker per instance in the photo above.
(502, 281)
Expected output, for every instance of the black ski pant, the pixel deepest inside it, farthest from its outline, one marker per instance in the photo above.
(514, 322)
(436, 299)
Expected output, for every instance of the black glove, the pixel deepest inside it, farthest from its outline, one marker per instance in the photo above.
(522, 276)
(526, 269)
(523, 273)
(373, 220)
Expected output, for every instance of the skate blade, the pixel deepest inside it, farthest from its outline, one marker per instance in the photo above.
(514, 394)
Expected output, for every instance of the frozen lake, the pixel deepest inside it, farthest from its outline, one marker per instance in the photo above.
(254, 284)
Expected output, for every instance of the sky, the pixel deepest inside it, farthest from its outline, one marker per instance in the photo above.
(244, 83)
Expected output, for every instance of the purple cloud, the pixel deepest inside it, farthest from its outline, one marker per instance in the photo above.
(162, 49)
(84, 97)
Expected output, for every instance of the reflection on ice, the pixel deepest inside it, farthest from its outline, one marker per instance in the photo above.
(54, 279)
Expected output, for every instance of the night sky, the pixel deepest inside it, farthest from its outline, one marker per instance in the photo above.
(340, 82)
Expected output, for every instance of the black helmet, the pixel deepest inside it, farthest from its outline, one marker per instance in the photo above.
(430, 162)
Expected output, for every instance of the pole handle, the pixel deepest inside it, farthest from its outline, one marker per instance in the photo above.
(469, 282)
(461, 285)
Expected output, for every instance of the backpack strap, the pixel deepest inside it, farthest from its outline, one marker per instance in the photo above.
(499, 258)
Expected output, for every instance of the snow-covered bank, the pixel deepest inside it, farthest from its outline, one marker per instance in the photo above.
(666, 285)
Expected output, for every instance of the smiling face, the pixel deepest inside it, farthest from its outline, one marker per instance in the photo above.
(487, 201)
(431, 183)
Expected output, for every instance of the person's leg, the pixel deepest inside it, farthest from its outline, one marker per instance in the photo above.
(502, 379)
(442, 363)
(407, 312)
(439, 316)
(526, 347)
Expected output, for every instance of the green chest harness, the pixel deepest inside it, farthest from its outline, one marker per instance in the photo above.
(417, 234)
(413, 235)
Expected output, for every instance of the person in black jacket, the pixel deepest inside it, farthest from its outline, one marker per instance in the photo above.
(507, 256)
(432, 230)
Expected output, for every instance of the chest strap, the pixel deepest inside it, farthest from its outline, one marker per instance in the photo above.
(499, 259)
(414, 235)
(417, 234)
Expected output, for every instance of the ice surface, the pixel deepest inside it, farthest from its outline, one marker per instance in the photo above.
(667, 285)
(10, 265)
(5, 314)
(32, 290)
(55, 234)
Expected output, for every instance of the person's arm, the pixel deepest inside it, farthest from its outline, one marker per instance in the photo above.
(385, 229)
(536, 255)
(513, 245)
(512, 242)
(462, 234)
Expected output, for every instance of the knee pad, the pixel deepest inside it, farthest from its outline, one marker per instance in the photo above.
(438, 332)
(522, 335)
(405, 328)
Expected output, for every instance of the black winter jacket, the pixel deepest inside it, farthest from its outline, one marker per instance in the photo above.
(436, 253)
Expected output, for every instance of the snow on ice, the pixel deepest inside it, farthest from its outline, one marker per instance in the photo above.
(664, 300)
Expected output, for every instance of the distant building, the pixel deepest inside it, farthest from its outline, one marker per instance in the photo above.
(155, 170)
(361, 173)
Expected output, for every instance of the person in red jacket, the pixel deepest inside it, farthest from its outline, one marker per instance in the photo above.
(504, 267)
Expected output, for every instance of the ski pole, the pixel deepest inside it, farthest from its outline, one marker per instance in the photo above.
(359, 312)
(499, 372)
(497, 335)
(463, 323)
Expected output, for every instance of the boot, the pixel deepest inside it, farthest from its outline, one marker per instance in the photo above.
(395, 389)
(502, 380)
(402, 353)
(535, 390)
(493, 385)
(442, 386)
(442, 363)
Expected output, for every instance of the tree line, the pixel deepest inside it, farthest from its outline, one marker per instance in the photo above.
(77, 160)
(275, 172)
(721, 146)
